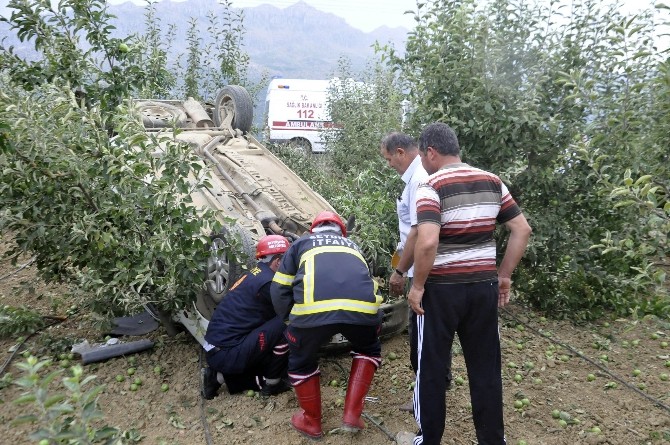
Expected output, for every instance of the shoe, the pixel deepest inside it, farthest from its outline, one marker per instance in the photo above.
(210, 385)
(405, 438)
(448, 384)
(408, 407)
(278, 388)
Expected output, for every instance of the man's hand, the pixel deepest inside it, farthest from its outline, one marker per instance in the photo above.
(504, 286)
(397, 284)
(414, 298)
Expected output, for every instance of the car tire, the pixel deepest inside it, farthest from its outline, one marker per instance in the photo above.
(223, 269)
(236, 100)
(301, 146)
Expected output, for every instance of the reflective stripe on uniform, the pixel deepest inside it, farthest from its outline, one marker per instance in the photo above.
(283, 279)
(338, 304)
(309, 255)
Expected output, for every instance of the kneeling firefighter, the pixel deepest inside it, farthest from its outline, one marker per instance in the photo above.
(325, 283)
(244, 343)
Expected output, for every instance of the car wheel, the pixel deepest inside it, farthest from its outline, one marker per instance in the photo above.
(160, 115)
(223, 269)
(234, 103)
(301, 145)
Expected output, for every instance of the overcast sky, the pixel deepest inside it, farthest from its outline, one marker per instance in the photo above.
(365, 15)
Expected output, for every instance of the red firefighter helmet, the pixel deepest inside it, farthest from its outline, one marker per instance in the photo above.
(271, 245)
(328, 216)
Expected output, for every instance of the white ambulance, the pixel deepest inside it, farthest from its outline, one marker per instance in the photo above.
(297, 112)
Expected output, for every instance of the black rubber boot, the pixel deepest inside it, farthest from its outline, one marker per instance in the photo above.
(278, 388)
(210, 385)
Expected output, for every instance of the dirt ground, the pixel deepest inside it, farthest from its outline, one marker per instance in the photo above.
(541, 363)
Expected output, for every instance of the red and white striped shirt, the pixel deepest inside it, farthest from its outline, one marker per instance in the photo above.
(466, 202)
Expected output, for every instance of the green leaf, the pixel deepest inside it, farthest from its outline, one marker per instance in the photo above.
(26, 398)
(50, 401)
(27, 418)
(643, 179)
(641, 54)
(626, 203)
(105, 433)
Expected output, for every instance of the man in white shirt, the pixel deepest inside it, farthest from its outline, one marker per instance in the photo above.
(401, 152)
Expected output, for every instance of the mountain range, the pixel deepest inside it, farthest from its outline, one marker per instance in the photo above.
(298, 41)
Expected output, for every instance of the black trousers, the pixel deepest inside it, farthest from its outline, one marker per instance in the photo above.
(414, 344)
(471, 310)
(304, 344)
(262, 353)
(414, 341)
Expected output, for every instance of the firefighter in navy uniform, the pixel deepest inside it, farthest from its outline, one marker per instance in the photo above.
(325, 283)
(244, 343)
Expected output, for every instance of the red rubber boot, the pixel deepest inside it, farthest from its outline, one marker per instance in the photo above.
(308, 420)
(360, 377)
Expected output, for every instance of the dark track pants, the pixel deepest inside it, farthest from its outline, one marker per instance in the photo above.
(413, 339)
(471, 310)
(263, 353)
(413, 346)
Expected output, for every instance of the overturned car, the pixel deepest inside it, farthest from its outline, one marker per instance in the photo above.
(250, 186)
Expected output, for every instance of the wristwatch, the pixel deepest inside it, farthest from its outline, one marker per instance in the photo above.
(399, 272)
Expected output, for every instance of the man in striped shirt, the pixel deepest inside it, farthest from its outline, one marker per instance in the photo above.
(457, 287)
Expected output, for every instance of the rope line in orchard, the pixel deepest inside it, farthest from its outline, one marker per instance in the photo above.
(203, 416)
(19, 269)
(17, 348)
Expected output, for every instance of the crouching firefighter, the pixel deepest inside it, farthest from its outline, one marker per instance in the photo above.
(244, 343)
(325, 283)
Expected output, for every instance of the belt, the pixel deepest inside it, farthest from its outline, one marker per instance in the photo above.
(212, 351)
